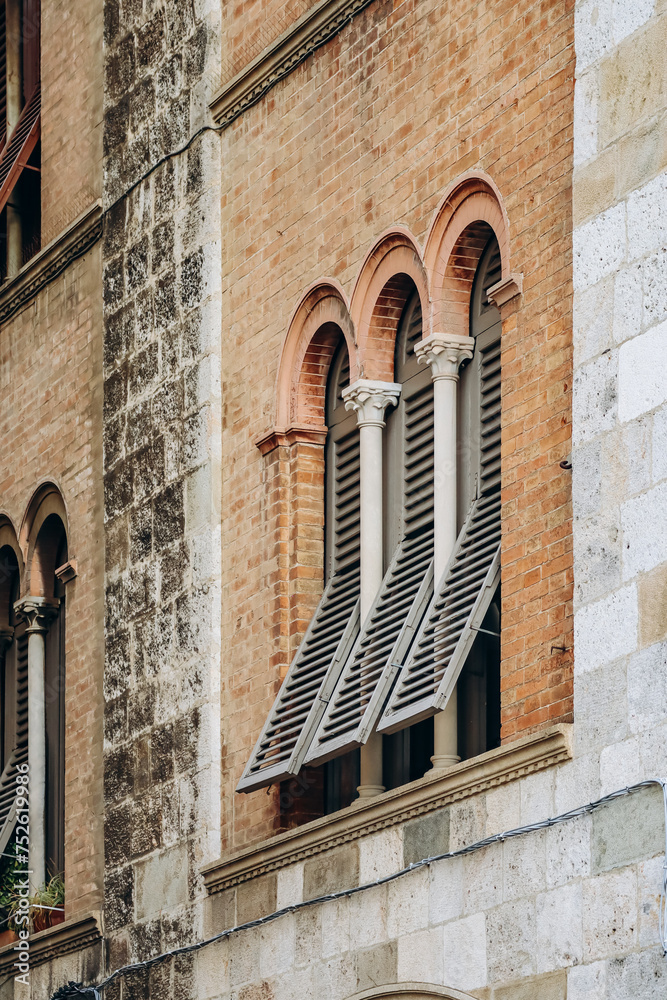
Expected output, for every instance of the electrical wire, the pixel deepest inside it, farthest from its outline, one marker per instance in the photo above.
(74, 989)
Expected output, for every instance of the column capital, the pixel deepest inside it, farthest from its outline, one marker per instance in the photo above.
(38, 612)
(369, 399)
(445, 353)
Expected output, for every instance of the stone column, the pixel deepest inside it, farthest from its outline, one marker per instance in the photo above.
(444, 354)
(370, 399)
(38, 612)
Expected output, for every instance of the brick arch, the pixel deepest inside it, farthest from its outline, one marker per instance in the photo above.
(313, 334)
(470, 212)
(389, 274)
(44, 524)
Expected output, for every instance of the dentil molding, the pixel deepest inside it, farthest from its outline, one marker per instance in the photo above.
(50, 261)
(435, 790)
(324, 20)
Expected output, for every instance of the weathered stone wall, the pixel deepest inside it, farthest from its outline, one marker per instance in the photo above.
(620, 392)
(570, 911)
(162, 332)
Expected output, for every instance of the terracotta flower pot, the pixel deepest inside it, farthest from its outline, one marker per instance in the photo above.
(7, 937)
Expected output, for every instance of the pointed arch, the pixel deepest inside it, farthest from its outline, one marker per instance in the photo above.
(470, 212)
(388, 275)
(319, 319)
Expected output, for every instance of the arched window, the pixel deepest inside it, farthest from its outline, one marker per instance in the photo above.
(280, 751)
(479, 474)
(408, 520)
(14, 691)
(459, 634)
(54, 693)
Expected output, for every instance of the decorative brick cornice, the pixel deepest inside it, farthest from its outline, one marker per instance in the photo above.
(291, 435)
(54, 942)
(324, 20)
(435, 790)
(52, 260)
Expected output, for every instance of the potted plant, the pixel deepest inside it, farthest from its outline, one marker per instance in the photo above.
(48, 904)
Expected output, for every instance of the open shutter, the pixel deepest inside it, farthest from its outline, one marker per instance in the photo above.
(30, 30)
(3, 73)
(406, 590)
(469, 583)
(450, 626)
(286, 736)
(20, 754)
(16, 153)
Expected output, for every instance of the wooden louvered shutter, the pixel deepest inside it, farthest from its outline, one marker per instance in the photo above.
(3, 73)
(22, 142)
(406, 590)
(471, 578)
(281, 749)
(30, 31)
(19, 721)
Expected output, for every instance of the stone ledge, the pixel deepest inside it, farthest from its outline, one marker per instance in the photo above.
(54, 942)
(50, 261)
(312, 29)
(433, 791)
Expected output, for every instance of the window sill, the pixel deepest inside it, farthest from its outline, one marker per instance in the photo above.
(433, 791)
(50, 261)
(54, 942)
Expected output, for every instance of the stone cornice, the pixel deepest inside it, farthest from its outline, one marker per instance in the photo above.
(50, 261)
(54, 942)
(297, 434)
(505, 290)
(434, 791)
(324, 20)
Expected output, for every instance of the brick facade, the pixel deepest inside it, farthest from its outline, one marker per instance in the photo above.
(309, 211)
(171, 383)
(50, 420)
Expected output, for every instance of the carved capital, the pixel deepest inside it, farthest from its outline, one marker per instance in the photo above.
(370, 399)
(37, 612)
(6, 637)
(445, 353)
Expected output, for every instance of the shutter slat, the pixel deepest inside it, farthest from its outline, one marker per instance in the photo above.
(23, 140)
(449, 626)
(8, 794)
(373, 663)
(297, 710)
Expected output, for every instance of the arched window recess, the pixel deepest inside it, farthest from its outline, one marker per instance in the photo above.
(281, 748)
(41, 614)
(463, 615)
